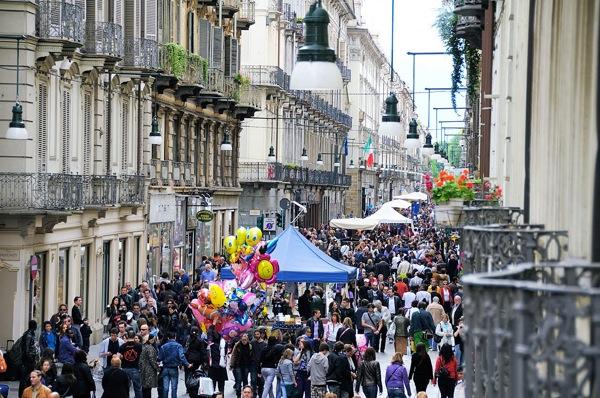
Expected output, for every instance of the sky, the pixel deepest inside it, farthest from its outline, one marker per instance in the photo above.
(414, 31)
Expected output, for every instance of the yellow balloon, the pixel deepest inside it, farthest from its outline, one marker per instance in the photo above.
(230, 244)
(265, 270)
(240, 236)
(253, 236)
(216, 296)
(265, 311)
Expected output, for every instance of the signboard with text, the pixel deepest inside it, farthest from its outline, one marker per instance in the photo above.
(269, 224)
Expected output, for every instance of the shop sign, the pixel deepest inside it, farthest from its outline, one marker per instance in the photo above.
(205, 216)
(9, 254)
(163, 208)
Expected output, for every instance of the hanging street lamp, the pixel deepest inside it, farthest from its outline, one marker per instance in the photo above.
(304, 156)
(412, 139)
(271, 157)
(427, 149)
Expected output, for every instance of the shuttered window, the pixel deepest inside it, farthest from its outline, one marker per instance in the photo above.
(125, 135)
(87, 133)
(205, 38)
(66, 132)
(106, 136)
(231, 56)
(99, 10)
(190, 31)
(42, 133)
(217, 48)
(118, 9)
(150, 19)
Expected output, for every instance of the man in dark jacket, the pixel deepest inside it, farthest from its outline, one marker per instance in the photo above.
(304, 305)
(346, 310)
(115, 381)
(241, 362)
(421, 323)
(258, 346)
(29, 355)
(338, 370)
(359, 313)
(382, 268)
(316, 326)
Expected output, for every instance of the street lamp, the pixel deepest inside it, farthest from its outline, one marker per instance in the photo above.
(412, 139)
(319, 159)
(427, 149)
(336, 162)
(351, 165)
(304, 156)
(155, 138)
(390, 121)
(226, 144)
(271, 158)
(16, 128)
(315, 67)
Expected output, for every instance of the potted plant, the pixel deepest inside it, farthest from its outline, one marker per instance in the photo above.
(449, 194)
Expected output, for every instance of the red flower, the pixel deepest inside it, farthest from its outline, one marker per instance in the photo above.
(469, 185)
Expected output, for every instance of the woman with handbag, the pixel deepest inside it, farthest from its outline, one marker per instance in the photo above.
(369, 375)
(446, 372)
(217, 370)
(421, 370)
(301, 358)
(285, 370)
(85, 384)
(444, 333)
(346, 334)
(396, 378)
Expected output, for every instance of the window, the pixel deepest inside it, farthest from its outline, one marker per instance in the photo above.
(137, 260)
(125, 136)
(87, 134)
(122, 262)
(62, 286)
(190, 32)
(66, 131)
(84, 275)
(38, 289)
(106, 274)
(42, 136)
(176, 139)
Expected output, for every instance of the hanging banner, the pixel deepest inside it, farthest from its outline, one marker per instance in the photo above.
(163, 208)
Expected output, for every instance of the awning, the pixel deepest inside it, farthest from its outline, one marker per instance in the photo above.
(353, 223)
(398, 204)
(413, 196)
(388, 215)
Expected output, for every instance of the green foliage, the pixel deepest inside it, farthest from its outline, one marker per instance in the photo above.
(241, 81)
(200, 63)
(176, 59)
(454, 151)
(472, 61)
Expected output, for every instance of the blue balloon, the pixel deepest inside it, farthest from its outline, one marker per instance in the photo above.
(242, 319)
(271, 245)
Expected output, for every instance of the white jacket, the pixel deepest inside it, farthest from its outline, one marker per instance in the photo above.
(442, 329)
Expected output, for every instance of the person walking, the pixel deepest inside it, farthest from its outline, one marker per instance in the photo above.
(302, 356)
(346, 334)
(445, 332)
(148, 367)
(130, 356)
(37, 389)
(421, 323)
(241, 362)
(401, 334)
(172, 357)
(268, 364)
(386, 319)
(258, 346)
(396, 378)
(29, 355)
(331, 329)
(369, 375)
(437, 311)
(115, 381)
(85, 384)
(317, 368)
(76, 314)
(66, 348)
(109, 347)
(446, 372)
(217, 370)
(285, 369)
(421, 370)
(371, 323)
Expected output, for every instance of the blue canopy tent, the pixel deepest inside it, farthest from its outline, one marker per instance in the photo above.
(301, 261)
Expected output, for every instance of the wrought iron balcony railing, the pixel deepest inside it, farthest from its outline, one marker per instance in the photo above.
(469, 7)
(141, 53)
(132, 190)
(532, 331)
(99, 190)
(42, 191)
(57, 19)
(469, 28)
(249, 96)
(215, 79)
(246, 17)
(494, 247)
(266, 75)
(276, 172)
(344, 70)
(104, 38)
(490, 215)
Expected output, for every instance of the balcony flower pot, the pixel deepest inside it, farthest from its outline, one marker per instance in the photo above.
(450, 213)
(449, 194)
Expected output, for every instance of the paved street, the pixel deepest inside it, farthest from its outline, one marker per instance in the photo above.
(384, 360)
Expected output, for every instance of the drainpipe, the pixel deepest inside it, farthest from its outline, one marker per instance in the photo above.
(139, 132)
(109, 124)
(528, 99)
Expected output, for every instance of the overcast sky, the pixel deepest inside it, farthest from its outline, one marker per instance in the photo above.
(414, 31)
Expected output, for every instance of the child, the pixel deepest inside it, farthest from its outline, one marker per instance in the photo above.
(86, 332)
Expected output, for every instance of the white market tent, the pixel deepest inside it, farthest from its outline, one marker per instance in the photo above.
(387, 215)
(353, 223)
(413, 196)
(398, 204)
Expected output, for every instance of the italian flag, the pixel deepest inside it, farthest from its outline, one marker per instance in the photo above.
(368, 152)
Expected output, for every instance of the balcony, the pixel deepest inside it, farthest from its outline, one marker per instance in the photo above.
(276, 173)
(170, 173)
(248, 101)
(99, 191)
(487, 248)
(43, 191)
(344, 70)
(230, 7)
(104, 38)
(215, 80)
(246, 15)
(469, 7)
(132, 190)
(141, 54)
(470, 28)
(58, 20)
(532, 331)
(490, 215)
(267, 75)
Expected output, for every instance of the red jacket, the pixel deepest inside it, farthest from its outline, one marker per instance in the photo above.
(451, 366)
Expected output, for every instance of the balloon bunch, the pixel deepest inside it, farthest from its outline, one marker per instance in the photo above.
(230, 306)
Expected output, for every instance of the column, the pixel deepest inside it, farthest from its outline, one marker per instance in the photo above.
(208, 152)
(216, 148)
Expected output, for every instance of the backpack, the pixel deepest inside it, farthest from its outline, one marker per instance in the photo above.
(442, 373)
(15, 355)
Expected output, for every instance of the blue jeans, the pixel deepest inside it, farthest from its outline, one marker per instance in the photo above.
(170, 376)
(268, 375)
(370, 391)
(395, 393)
(240, 374)
(373, 340)
(458, 353)
(136, 381)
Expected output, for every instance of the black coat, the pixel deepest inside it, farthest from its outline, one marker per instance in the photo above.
(115, 383)
(457, 315)
(382, 268)
(398, 304)
(304, 306)
(197, 350)
(346, 336)
(85, 382)
(311, 324)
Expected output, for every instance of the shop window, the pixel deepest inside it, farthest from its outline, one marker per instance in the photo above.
(84, 275)
(122, 268)
(62, 286)
(38, 289)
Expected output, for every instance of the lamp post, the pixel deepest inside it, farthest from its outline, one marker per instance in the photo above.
(315, 68)
(16, 128)
(390, 121)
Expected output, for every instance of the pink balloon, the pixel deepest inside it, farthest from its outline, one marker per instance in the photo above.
(245, 279)
(249, 298)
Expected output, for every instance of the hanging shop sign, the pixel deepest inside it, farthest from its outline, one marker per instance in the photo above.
(205, 216)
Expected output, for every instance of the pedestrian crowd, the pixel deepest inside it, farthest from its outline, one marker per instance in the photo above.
(407, 298)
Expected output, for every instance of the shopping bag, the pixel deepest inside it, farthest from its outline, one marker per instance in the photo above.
(205, 386)
(3, 367)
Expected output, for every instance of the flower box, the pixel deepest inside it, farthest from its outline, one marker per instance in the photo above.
(449, 214)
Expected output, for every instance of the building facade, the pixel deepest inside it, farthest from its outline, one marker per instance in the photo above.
(87, 203)
(304, 132)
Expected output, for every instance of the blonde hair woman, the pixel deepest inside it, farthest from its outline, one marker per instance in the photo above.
(285, 369)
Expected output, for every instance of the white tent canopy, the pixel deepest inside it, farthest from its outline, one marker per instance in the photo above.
(398, 204)
(413, 196)
(387, 215)
(353, 223)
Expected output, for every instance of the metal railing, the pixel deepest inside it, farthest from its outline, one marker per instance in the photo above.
(104, 38)
(57, 19)
(246, 14)
(231, 4)
(494, 247)
(266, 75)
(532, 331)
(215, 80)
(249, 96)
(468, 7)
(230, 88)
(99, 190)
(132, 190)
(490, 215)
(276, 172)
(141, 53)
(344, 70)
